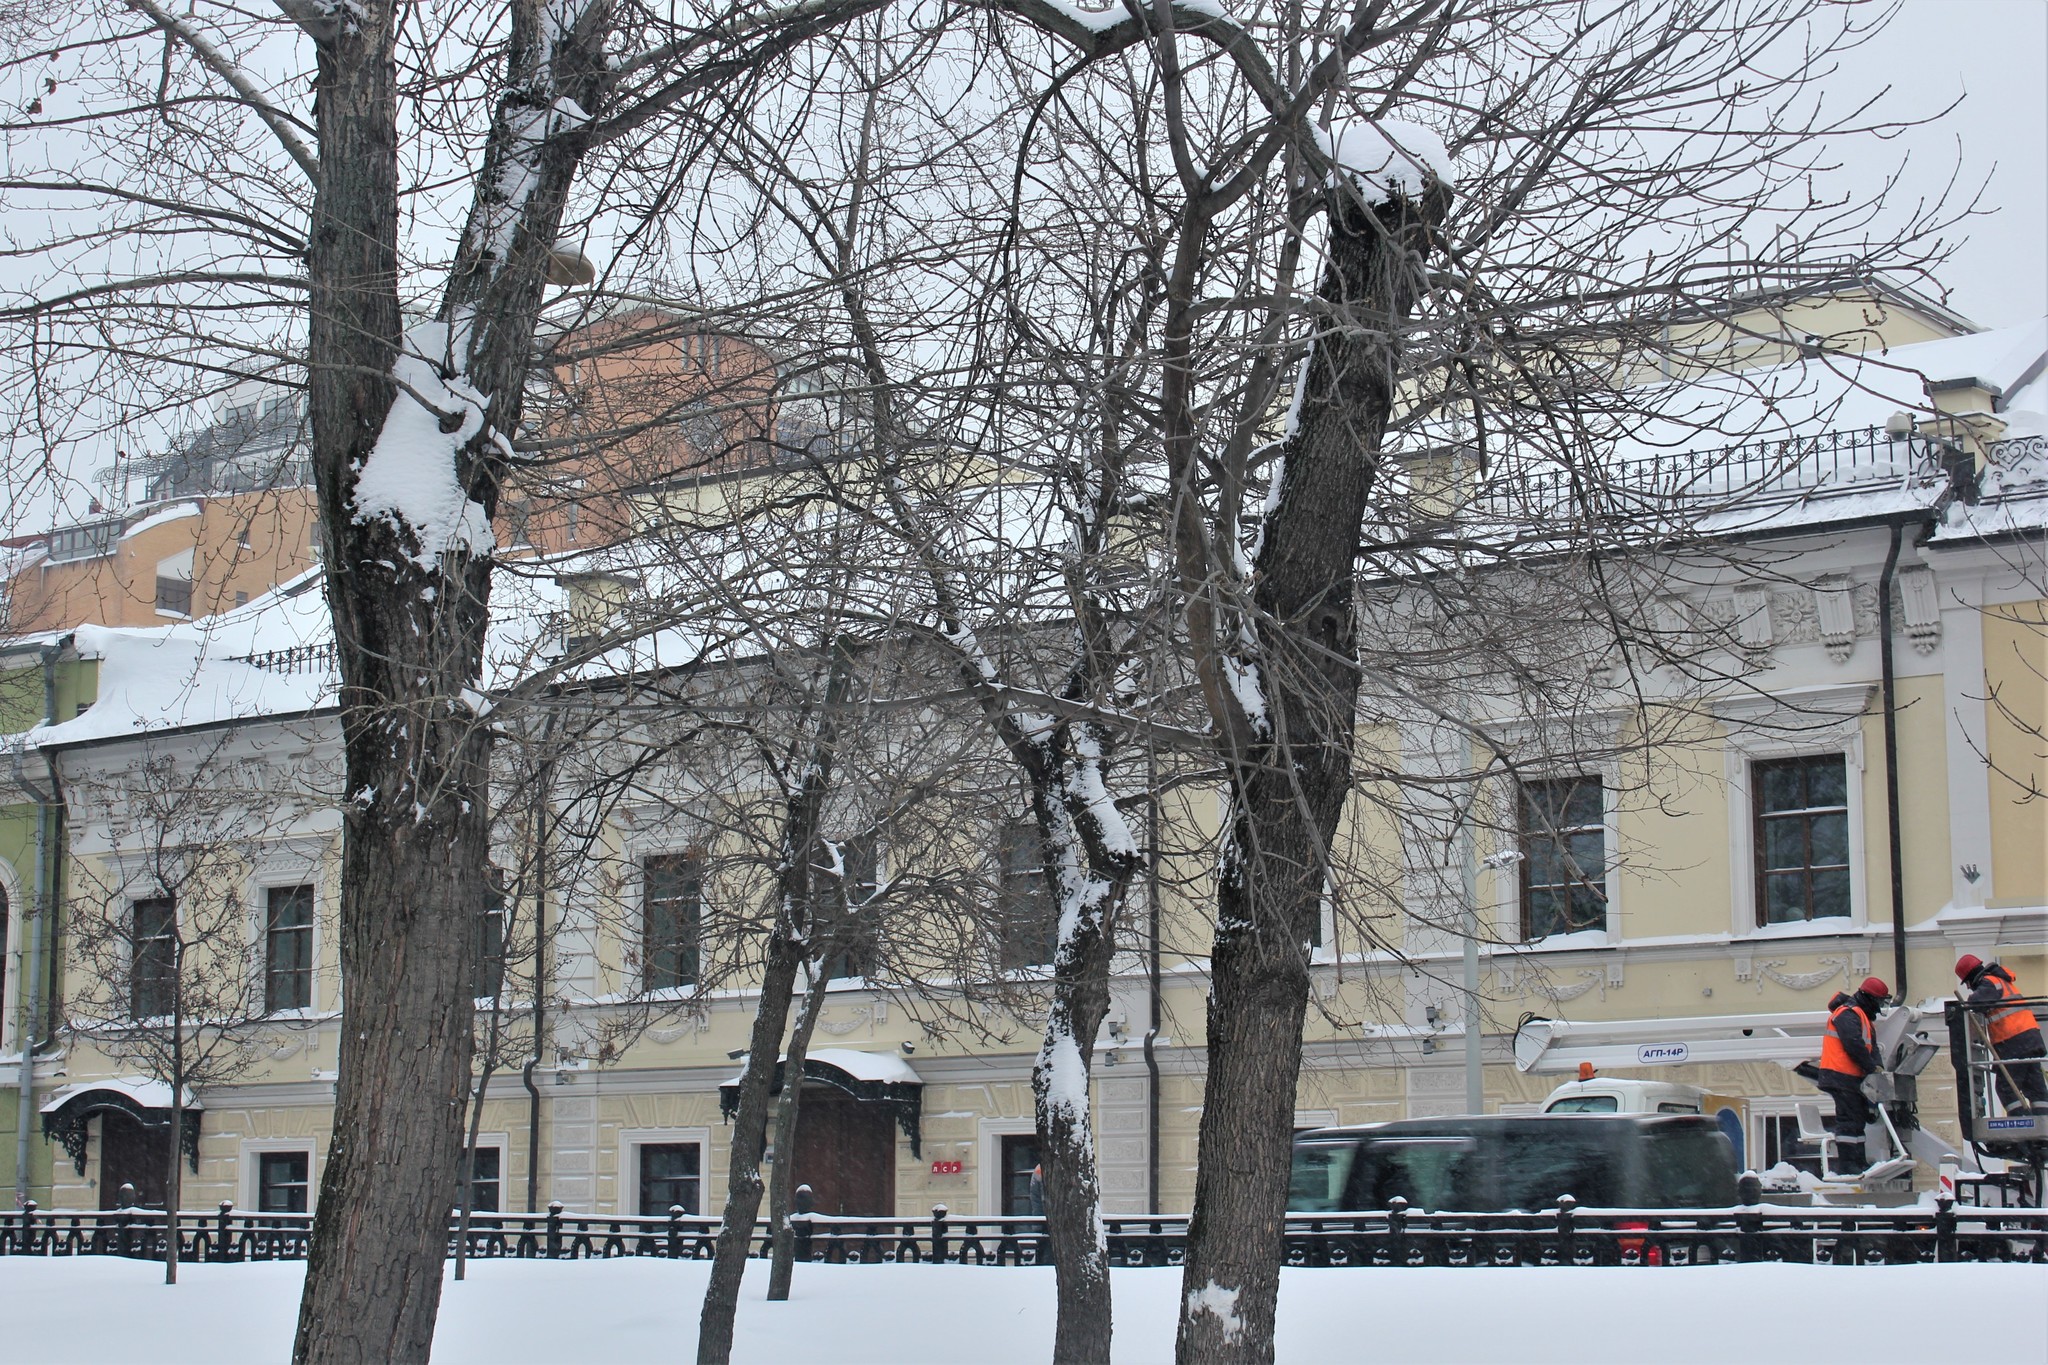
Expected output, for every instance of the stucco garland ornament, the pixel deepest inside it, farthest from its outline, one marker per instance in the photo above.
(1800, 981)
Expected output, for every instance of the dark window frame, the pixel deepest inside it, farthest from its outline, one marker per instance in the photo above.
(296, 1188)
(1013, 1182)
(1807, 816)
(152, 956)
(287, 986)
(1543, 823)
(487, 968)
(671, 919)
(1027, 920)
(652, 1207)
(847, 901)
(494, 1181)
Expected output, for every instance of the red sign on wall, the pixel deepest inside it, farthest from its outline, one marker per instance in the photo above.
(947, 1168)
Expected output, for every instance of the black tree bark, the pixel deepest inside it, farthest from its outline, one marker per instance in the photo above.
(1289, 775)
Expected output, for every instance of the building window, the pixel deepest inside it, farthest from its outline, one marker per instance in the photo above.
(673, 888)
(1027, 925)
(288, 948)
(282, 1181)
(488, 969)
(1802, 838)
(1020, 1162)
(1564, 856)
(844, 893)
(668, 1178)
(486, 1166)
(174, 596)
(153, 957)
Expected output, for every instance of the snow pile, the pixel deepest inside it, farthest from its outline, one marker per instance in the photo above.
(409, 480)
(1386, 157)
(508, 1312)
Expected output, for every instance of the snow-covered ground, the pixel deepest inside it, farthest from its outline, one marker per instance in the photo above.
(92, 1309)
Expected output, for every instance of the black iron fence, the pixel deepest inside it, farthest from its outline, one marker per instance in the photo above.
(1822, 464)
(1398, 1236)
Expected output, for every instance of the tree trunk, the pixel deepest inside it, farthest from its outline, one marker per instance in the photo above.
(749, 1131)
(789, 1113)
(409, 620)
(786, 952)
(174, 1179)
(1290, 771)
(1091, 863)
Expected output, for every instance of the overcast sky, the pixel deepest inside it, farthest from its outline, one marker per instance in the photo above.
(1994, 53)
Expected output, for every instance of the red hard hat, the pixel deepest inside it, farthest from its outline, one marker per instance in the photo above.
(1872, 986)
(1967, 963)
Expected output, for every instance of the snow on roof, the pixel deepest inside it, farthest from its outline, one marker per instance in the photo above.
(190, 673)
(882, 1067)
(147, 1093)
(162, 517)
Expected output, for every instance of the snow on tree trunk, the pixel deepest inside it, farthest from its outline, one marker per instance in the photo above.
(409, 587)
(1289, 762)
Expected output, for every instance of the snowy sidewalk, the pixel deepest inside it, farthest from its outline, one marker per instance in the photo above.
(91, 1309)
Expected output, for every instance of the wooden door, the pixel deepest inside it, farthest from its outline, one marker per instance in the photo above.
(131, 1154)
(846, 1153)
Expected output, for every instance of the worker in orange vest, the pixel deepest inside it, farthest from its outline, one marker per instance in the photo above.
(1848, 1053)
(2015, 1033)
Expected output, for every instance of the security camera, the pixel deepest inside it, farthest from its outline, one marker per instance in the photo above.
(737, 1053)
(908, 1048)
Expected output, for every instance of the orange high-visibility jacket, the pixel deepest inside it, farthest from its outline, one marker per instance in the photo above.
(2009, 1019)
(1835, 1057)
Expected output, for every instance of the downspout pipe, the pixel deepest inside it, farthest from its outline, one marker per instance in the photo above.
(1152, 984)
(1889, 687)
(30, 975)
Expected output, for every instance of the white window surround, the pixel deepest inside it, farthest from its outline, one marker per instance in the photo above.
(17, 918)
(631, 1140)
(248, 1185)
(1803, 723)
(1600, 734)
(502, 1143)
(988, 1148)
(271, 875)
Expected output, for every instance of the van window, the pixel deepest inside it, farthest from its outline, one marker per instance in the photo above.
(1431, 1173)
(1320, 1173)
(1534, 1169)
(1689, 1170)
(1668, 1107)
(1585, 1104)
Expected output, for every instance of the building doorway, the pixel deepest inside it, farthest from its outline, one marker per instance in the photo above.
(131, 1154)
(846, 1153)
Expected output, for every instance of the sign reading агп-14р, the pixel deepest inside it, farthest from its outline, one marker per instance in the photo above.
(1662, 1054)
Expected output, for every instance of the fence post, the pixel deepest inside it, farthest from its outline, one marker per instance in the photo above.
(1945, 1228)
(1749, 1217)
(28, 1239)
(1397, 1230)
(554, 1229)
(220, 1235)
(1567, 1232)
(126, 1195)
(675, 1232)
(939, 1233)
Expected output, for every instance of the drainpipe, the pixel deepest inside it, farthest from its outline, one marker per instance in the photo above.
(1891, 758)
(545, 780)
(1152, 983)
(32, 934)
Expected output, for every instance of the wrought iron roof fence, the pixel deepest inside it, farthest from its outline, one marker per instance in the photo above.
(1825, 464)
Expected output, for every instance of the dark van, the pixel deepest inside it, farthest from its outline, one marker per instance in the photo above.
(1502, 1163)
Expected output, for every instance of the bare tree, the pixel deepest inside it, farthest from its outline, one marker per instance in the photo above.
(173, 976)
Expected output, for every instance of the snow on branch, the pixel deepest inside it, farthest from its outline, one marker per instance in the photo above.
(411, 478)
